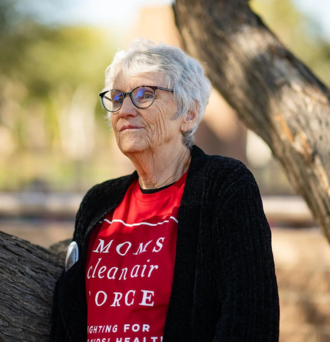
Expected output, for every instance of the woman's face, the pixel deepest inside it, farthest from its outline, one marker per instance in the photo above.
(151, 129)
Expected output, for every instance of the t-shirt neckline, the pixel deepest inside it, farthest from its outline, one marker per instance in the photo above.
(155, 196)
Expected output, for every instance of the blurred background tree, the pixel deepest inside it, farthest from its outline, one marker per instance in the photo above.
(50, 76)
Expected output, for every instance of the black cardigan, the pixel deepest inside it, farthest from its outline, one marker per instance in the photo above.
(224, 287)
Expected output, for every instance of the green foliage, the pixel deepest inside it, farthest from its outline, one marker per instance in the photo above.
(39, 63)
(50, 77)
(44, 58)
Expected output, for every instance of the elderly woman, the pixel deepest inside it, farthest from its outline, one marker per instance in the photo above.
(180, 250)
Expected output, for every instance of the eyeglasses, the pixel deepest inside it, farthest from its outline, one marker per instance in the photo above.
(142, 97)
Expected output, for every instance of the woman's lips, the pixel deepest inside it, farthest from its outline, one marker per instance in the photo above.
(127, 127)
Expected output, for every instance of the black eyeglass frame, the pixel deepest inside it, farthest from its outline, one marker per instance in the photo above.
(154, 88)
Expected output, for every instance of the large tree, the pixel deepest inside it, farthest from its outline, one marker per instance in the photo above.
(272, 91)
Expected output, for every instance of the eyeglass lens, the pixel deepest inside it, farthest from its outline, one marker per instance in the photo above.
(142, 97)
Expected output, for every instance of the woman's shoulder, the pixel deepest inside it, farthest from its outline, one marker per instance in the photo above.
(98, 200)
(221, 169)
(221, 180)
(109, 187)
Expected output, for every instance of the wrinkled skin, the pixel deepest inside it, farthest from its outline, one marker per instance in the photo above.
(152, 137)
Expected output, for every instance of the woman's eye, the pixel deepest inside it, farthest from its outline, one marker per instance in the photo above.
(116, 97)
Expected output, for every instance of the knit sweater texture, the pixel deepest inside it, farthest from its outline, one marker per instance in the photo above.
(224, 286)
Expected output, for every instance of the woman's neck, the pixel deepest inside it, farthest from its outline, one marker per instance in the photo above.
(156, 170)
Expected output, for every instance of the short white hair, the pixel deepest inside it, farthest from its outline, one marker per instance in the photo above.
(182, 73)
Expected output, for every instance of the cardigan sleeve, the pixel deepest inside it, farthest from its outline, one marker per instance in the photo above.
(245, 271)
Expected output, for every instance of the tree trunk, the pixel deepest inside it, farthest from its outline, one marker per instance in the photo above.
(274, 94)
(27, 279)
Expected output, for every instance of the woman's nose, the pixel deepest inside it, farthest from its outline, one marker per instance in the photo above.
(127, 108)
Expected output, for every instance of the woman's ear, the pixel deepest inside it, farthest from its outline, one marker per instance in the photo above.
(190, 118)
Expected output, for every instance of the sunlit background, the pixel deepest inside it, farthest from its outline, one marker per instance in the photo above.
(53, 132)
(55, 142)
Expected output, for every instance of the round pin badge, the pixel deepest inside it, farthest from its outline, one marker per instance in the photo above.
(72, 255)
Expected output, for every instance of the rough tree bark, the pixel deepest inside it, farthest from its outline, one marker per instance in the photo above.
(27, 279)
(274, 94)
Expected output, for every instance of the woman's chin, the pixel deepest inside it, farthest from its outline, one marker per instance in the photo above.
(129, 147)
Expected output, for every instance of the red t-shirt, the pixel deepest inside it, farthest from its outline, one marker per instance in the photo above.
(130, 266)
